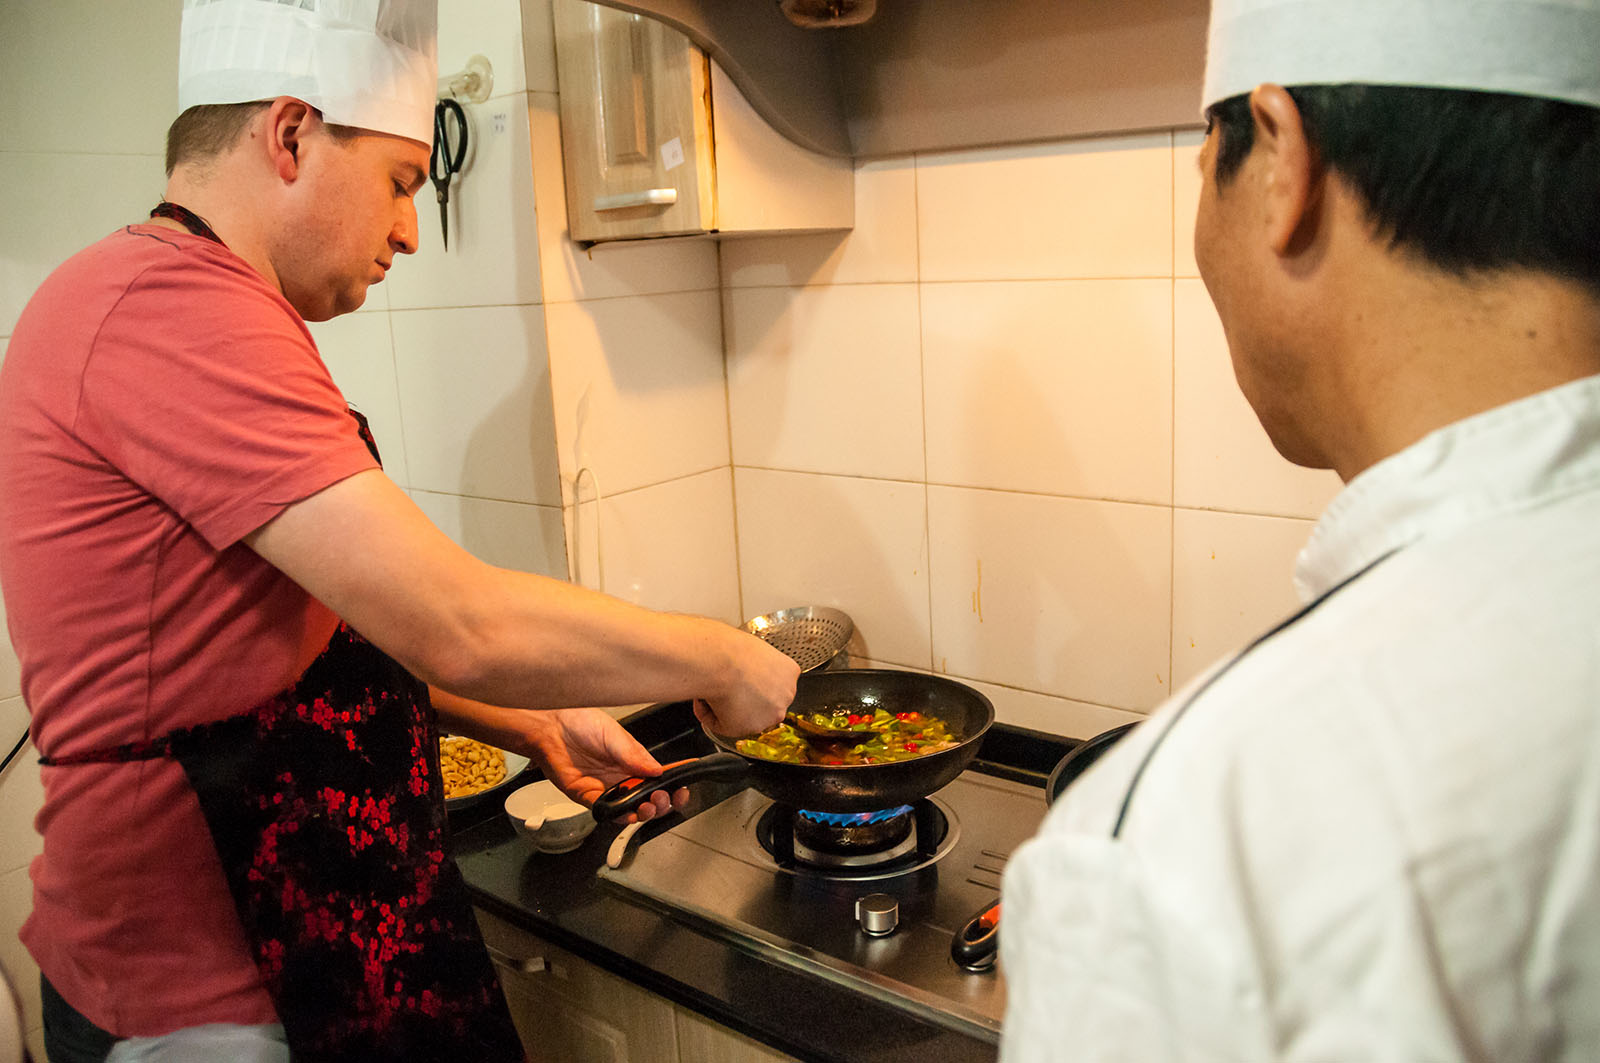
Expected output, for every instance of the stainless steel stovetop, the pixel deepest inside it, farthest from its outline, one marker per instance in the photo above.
(712, 872)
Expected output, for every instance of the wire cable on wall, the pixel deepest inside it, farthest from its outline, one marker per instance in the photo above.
(4, 764)
(575, 565)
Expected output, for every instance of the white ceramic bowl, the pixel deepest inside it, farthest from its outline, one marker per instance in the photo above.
(554, 822)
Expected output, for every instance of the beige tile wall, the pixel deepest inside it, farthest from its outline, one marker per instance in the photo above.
(996, 424)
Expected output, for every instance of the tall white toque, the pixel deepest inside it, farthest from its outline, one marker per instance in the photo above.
(372, 64)
(1545, 48)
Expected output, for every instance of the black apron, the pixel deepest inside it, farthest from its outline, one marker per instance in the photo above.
(325, 804)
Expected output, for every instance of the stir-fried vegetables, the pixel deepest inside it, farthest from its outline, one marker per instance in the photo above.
(895, 736)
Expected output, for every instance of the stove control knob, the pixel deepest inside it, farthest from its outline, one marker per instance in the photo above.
(878, 914)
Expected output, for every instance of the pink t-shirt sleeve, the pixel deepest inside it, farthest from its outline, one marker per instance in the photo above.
(223, 410)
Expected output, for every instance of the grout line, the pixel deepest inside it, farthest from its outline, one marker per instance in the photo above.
(399, 402)
(551, 302)
(1172, 415)
(958, 280)
(1011, 686)
(157, 155)
(957, 486)
(491, 498)
(563, 504)
(724, 294)
(1023, 493)
(922, 374)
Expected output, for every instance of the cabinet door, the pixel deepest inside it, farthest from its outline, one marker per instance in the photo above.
(702, 1041)
(635, 123)
(566, 1009)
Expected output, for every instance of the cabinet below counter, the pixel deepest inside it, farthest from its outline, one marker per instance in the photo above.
(567, 1009)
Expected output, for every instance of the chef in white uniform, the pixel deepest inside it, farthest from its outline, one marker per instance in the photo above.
(1375, 834)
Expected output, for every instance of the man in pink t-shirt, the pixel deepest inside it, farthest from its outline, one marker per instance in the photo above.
(194, 520)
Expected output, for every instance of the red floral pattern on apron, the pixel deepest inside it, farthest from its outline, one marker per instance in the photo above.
(325, 805)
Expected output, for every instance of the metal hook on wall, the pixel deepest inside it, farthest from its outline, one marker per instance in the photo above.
(473, 85)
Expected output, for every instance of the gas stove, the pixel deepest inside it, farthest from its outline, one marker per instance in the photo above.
(869, 901)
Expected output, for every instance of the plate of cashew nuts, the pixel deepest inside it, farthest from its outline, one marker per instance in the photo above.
(473, 770)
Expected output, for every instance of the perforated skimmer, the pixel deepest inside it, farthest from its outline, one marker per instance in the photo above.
(811, 634)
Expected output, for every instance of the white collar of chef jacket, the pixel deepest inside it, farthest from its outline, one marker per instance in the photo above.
(1497, 462)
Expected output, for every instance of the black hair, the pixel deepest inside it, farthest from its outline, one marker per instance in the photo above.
(1470, 181)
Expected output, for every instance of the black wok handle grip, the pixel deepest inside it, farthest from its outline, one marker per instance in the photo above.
(629, 794)
(976, 944)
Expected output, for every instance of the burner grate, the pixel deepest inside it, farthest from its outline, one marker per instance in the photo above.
(897, 840)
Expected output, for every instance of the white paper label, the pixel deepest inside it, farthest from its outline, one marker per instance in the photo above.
(672, 154)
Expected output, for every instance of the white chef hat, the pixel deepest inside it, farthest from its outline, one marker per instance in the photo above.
(372, 64)
(1545, 48)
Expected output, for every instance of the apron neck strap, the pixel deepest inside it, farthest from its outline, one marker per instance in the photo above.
(186, 218)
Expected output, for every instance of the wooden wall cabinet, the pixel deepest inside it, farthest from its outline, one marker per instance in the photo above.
(656, 141)
(566, 1008)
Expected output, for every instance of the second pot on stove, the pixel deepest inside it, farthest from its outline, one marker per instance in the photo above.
(977, 943)
(839, 787)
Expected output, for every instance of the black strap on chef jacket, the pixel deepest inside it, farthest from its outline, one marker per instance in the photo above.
(1287, 622)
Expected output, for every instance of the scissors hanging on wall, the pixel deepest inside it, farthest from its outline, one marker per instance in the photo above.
(449, 152)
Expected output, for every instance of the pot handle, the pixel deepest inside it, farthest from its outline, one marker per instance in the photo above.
(629, 794)
(977, 943)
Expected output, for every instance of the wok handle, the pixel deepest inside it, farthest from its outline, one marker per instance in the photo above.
(977, 943)
(629, 794)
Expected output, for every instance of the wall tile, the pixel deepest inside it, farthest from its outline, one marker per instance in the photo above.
(377, 301)
(1095, 208)
(21, 791)
(826, 379)
(1231, 580)
(882, 246)
(490, 28)
(1185, 200)
(359, 352)
(1058, 595)
(1028, 708)
(853, 544)
(1222, 456)
(86, 76)
(56, 205)
(505, 534)
(492, 258)
(1043, 712)
(474, 390)
(16, 902)
(1061, 387)
(669, 546)
(638, 388)
(635, 267)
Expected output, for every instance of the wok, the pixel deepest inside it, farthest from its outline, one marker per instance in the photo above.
(838, 787)
(977, 943)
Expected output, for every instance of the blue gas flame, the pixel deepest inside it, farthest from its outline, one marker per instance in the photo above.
(855, 819)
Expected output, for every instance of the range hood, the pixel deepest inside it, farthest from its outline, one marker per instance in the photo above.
(935, 75)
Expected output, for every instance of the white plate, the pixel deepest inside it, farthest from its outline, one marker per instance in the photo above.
(515, 762)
